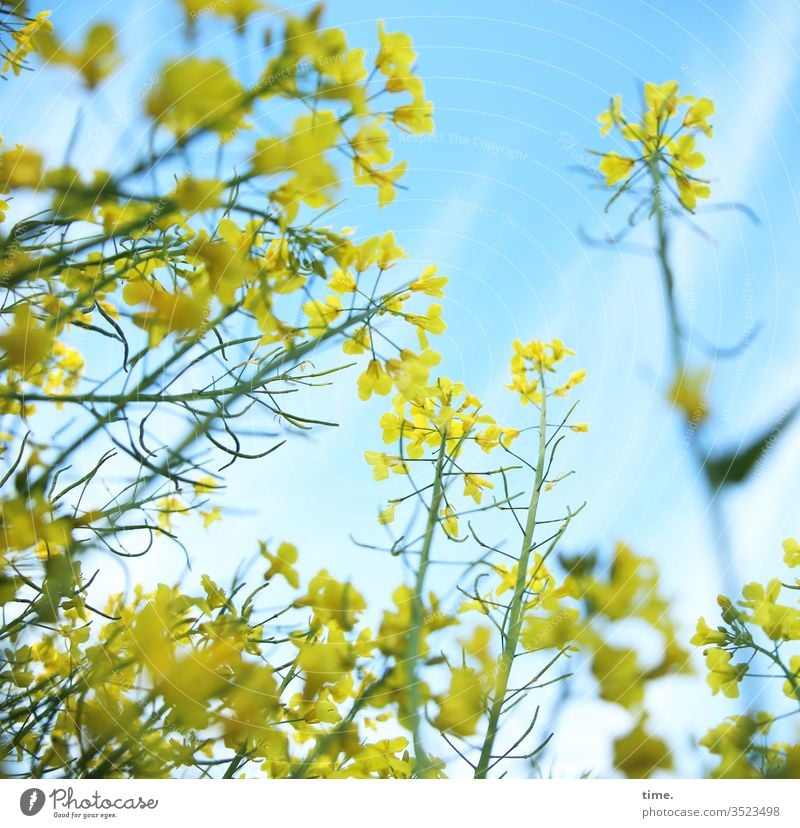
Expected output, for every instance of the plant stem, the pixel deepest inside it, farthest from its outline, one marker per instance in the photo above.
(415, 701)
(662, 240)
(514, 625)
(720, 539)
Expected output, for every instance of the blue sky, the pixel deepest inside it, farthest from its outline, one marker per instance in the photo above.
(495, 199)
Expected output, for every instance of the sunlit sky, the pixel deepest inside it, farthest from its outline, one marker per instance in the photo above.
(499, 197)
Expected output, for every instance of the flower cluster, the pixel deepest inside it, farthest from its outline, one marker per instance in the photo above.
(627, 593)
(758, 627)
(532, 361)
(664, 140)
(172, 671)
(26, 33)
(199, 287)
(215, 289)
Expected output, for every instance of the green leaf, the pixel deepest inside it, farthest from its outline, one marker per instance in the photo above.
(736, 465)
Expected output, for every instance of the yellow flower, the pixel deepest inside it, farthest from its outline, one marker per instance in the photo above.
(732, 741)
(169, 312)
(324, 711)
(332, 601)
(358, 342)
(396, 55)
(489, 438)
(429, 283)
(386, 515)
(508, 577)
(167, 508)
(416, 117)
(620, 677)
(689, 190)
(387, 251)
(371, 145)
(226, 261)
(722, 675)
(323, 662)
(27, 341)
(611, 116)
(705, 635)
(791, 552)
(95, 60)
(205, 485)
(637, 754)
(533, 358)
(697, 116)
(662, 99)
(461, 708)
(20, 167)
(385, 181)
(374, 380)
(194, 195)
(215, 596)
(393, 632)
(474, 485)
(431, 322)
(347, 71)
(616, 167)
(411, 372)
(29, 522)
(239, 10)
(646, 133)
(393, 426)
(449, 521)
(554, 630)
(382, 464)
(688, 393)
(342, 281)
(575, 378)
(778, 621)
(322, 314)
(210, 516)
(303, 154)
(28, 39)
(198, 94)
(282, 563)
(684, 155)
(365, 255)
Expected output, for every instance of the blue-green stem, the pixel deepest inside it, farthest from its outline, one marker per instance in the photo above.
(513, 627)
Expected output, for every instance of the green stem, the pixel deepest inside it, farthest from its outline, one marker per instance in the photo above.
(720, 540)
(413, 649)
(791, 678)
(662, 241)
(515, 616)
(250, 386)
